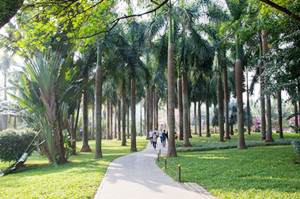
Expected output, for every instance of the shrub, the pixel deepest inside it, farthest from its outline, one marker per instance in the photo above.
(296, 145)
(13, 143)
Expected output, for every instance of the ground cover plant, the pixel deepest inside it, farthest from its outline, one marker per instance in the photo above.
(257, 172)
(211, 143)
(78, 179)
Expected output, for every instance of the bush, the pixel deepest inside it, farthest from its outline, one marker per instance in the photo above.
(296, 145)
(13, 143)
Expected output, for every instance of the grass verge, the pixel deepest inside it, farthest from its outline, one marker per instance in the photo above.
(78, 179)
(253, 140)
(257, 172)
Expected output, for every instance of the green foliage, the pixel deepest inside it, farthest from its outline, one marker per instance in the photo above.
(296, 145)
(78, 179)
(13, 143)
(258, 172)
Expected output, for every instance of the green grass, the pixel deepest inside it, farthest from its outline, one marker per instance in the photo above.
(256, 172)
(212, 143)
(78, 179)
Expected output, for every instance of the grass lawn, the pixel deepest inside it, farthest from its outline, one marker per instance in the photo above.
(78, 179)
(257, 172)
(211, 143)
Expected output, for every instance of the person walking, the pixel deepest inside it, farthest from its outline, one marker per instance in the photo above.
(154, 140)
(163, 138)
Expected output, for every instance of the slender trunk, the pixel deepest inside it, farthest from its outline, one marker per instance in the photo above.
(111, 121)
(269, 137)
(74, 129)
(133, 127)
(207, 117)
(141, 119)
(4, 116)
(148, 113)
(186, 107)
(85, 141)
(296, 117)
(195, 116)
(128, 122)
(171, 91)
(221, 108)
(107, 120)
(199, 118)
(248, 108)
(226, 100)
(150, 110)
(124, 120)
(93, 123)
(262, 100)
(156, 110)
(180, 107)
(279, 105)
(119, 119)
(145, 117)
(239, 96)
(15, 122)
(116, 121)
(189, 117)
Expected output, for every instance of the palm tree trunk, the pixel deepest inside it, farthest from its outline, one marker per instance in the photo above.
(93, 123)
(85, 141)
(189, 117)
(119, 119)
(186, 107)
(133, 127)
(239, 96)
(150, 110)
(221, 108)
(171, 91)
(199, 119)
(195, 116)
(156, 110)
(226, 99)
(248, 107)
(148, 113)
(141, 119)
(180, 107)
(4, 116)
(262, 101)
(145, 117)
(207, 117)
(296, 117)
(279, 105)
(269, 137)
(107, 120)
(128, 121)
(116, 122)
(74, 129)
(124, 120)
(111, 120)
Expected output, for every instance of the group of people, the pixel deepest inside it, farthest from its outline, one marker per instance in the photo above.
(154, 135)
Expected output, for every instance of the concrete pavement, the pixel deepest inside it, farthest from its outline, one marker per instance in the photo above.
(136, 176)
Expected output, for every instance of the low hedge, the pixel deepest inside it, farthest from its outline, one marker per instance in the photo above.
(13, 143)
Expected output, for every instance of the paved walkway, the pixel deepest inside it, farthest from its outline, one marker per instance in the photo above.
(136, 176)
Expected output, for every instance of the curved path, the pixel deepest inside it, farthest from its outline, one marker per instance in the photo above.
(136, 176)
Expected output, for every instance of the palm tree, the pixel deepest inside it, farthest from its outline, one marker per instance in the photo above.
(269, 137)
(86, 62)
(98, 100)
(171, 95)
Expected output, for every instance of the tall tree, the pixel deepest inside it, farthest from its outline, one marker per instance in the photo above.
(171, 90)
(269, 137)
(98, 101)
